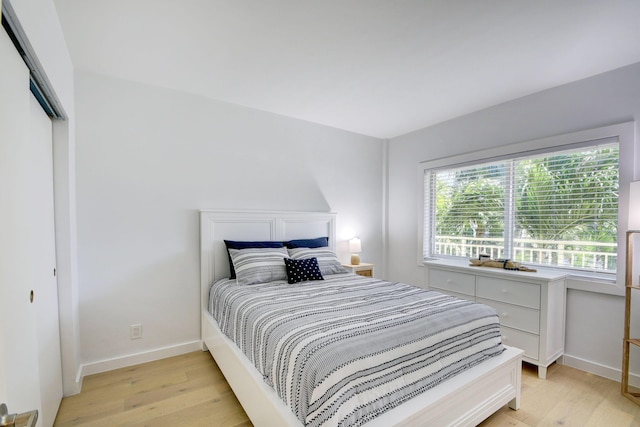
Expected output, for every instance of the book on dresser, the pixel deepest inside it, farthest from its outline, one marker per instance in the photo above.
(531, 305)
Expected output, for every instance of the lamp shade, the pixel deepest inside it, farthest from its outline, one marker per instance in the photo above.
(355, 245)
(634, 205)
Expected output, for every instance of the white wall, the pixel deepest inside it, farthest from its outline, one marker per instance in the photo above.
(594, 321)
(148, 159)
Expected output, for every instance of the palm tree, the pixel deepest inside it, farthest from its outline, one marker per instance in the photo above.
(568, 197)
(477, 209)
(563, 182)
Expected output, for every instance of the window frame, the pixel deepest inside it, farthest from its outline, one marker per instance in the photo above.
(622, 133)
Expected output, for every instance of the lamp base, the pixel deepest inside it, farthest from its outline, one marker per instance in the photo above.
(355, 259)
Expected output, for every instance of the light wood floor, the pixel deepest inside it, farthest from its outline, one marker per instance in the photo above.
(186, 390)
(189, 390)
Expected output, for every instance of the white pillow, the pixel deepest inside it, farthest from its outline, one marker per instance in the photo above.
(259, 265)
(327, 259)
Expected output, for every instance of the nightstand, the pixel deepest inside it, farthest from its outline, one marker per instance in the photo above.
(363, 269)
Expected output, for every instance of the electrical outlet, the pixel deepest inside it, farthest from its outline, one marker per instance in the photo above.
(135, 331)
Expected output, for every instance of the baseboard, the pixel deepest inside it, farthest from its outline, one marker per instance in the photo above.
(609, 372)
(135, 359)
(71, 388)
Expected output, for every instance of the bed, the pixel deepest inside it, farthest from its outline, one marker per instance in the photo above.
(466, 398)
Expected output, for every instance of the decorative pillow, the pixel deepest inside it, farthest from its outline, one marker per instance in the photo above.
(327, 259)
(232, 244)
(302, 270)
(318, 242)
(258, 265)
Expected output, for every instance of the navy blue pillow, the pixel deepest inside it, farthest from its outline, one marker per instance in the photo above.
(318, 242)
(233, 244)
(302, 270)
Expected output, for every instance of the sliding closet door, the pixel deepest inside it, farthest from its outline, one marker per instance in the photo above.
(30, 362)
(18, 330)
(46, 285)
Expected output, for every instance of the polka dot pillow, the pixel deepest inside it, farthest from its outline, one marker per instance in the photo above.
(302, 270)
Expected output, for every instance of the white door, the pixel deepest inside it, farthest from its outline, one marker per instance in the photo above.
(46, 285)
(30, 372)
(17, 316)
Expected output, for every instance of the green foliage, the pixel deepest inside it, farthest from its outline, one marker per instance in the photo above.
(472, 202)
(563, 182)
(477, 210)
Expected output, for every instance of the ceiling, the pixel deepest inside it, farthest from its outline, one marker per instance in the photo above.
(381, 68)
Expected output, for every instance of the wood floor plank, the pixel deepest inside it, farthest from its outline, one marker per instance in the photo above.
(583, 394)
(71, 413)
(126, 387)
(150, 396)
(158, 409)
(190, 391)
(612, 411)
(216, 412)
(133, 374)
(503, 419)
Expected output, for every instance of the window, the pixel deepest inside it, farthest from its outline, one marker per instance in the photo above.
(553, 208)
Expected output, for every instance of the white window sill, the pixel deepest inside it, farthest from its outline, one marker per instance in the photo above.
(594, 284)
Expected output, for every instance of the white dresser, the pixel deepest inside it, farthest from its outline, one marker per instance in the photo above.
(531, 306)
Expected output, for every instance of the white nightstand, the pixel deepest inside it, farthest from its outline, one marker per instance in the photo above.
(363, 269)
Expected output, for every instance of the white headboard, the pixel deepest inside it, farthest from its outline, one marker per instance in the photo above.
(216, 226)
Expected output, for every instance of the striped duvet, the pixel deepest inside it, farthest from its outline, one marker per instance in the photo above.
(341, 351)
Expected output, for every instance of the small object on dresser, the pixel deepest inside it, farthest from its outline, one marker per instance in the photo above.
(505, 264)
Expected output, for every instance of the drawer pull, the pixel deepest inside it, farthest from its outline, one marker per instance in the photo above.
(504, 315)
(504, 291)
(449, 281)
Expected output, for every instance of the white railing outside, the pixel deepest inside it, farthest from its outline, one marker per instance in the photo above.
(574, 254)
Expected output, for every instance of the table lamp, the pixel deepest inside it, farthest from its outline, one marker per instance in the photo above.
(355, 247)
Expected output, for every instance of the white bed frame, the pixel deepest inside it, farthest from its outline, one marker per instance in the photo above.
(464, 400)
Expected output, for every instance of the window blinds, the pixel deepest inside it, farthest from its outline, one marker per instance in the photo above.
(558, 208)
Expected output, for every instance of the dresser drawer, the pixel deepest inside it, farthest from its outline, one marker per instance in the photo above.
(513, 292)
(452, 281)
(515, 316)
(526, 341)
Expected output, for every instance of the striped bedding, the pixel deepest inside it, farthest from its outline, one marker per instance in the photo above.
(341, 351)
